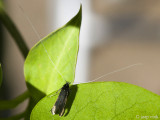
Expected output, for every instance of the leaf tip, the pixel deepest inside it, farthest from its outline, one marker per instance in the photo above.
(76, 20)
(80, 10)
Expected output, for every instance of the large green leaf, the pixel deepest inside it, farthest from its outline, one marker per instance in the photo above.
(51, 62)
(0, 75)
(102, 101)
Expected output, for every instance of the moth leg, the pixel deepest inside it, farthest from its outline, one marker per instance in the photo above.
(55, 93)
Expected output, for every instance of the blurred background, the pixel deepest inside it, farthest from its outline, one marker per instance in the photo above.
(114, 34)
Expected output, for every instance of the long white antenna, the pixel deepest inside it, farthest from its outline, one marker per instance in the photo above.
(110, 73)
(118, 70)
(33, 28)
(115, 71)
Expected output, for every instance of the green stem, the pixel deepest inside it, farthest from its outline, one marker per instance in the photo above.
(16, 117)
(0, 75)
(8, 23)
(4, 105)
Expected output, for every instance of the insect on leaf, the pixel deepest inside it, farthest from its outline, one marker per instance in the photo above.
(102, 101)
(61, 100)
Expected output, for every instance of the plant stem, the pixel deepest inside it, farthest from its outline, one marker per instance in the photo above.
(13, 103)
(8, 23)
(16, 117)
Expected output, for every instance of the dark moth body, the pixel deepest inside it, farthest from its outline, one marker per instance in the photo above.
(61, 101)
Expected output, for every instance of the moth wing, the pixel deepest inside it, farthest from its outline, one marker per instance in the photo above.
(53, 110)
(62, 112)
(62, 106)
(56, 106)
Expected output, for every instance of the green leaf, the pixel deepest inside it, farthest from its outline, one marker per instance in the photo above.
(52, 60)
(0, 75)
(101, 101)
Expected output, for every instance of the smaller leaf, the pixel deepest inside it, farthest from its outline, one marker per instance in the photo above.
(52, 61)
(0, 75)
(101, 101)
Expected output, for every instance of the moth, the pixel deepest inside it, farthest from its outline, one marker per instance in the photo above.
(61, 100)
